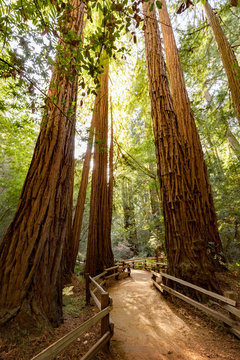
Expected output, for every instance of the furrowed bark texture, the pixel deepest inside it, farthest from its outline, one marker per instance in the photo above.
(190, 139)
(186, 232)
(227, 55)
(99, 251)
(78, 217)
(31, 251)
(111, 175)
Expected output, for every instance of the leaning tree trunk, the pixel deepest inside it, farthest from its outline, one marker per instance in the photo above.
(189, 134)
(31, 251)
(227, 55)
(99, 251)
(186, 228)
(233, 142)
(74, 234)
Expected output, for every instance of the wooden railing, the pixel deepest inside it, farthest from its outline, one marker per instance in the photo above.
(226, 304)
(147, 263)
(220, 302)
(104, 304)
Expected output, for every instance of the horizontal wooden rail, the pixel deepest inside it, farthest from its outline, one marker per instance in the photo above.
(198, 288)
(53, 350)
(202, 307)
(141, 259)
(156, 274)
(111, 268)
(98, 346)
(112, 275)
(97, 302)
(234, 325)
(96, 284)
(232, 310)
(100, 275)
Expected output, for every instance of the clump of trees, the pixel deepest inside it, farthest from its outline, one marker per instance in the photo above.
(149, 188)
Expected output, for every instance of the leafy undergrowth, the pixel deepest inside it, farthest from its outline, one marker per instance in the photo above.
(75, 313)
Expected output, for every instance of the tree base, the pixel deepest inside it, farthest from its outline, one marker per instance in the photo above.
(28, 322)
(197, 275)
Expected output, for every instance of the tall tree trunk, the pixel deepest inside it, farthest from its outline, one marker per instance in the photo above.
(227, 55)
(186, 216)
(31, 251)
(99, 251)
(74, 235)
(111, 177)
(188, 130)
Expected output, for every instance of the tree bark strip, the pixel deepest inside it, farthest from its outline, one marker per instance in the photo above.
(99, 251)
(31, 251)
(74, 236)
(111, 176)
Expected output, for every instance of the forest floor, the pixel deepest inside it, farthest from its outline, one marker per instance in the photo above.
(147, 326)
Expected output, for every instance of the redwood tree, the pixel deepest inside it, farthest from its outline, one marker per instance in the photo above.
(99, 251)
(75, 231)
(188, 131)
(31, 251)
(111, 175)
(186, 215)
(228, 57)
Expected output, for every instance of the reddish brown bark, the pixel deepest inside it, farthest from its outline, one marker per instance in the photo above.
(99, 251)
(185, 213)
(31, 251)
(111, 177)
(75, 231)
(228, 57)
(188, 131)
(233, 2)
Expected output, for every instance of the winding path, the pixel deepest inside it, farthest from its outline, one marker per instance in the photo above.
(148, 328)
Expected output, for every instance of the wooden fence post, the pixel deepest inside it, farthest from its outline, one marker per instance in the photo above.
(158, 268)
(123, 266)
(154, 277)
(88, 295)
(145, 264)
(117, 273)
(133, 263)
(105, 322)
(129, 269)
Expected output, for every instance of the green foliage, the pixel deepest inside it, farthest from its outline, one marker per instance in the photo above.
(73, 306)
(135, 170)
(17, 137)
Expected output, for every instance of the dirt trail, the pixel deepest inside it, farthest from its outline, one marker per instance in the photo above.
(147, 327)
